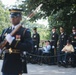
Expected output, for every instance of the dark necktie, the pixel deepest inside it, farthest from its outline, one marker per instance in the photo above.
(13, 28)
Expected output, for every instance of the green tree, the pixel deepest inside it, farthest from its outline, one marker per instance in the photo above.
(63, 11)
(4, 17)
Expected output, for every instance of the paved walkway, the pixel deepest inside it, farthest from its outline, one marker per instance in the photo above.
(35, 69)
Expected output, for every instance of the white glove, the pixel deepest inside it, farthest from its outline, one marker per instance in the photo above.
(9, 38)
(35, 46)
(53, 47)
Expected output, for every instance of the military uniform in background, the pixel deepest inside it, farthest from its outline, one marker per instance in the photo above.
(36, 39)
(73, 41)
(62, 42)
(54, 38)
(73, 37)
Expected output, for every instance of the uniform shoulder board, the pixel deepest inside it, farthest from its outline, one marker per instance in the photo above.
(28, 29)
(4, 31)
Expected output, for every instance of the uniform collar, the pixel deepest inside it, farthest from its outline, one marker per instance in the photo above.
(15, 26)
(62, 33)
(74, 32)
(53, 32)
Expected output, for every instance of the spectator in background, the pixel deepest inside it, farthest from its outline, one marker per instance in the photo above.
(68, 49)
(46, 48)
(44, 51)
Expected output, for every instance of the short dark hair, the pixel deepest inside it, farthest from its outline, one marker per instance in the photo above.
(73, 28)
(53, 27)
(35, 28)
(62, 27)
(69, 40)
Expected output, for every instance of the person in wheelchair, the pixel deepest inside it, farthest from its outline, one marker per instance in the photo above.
(44, 50)
(67, 50)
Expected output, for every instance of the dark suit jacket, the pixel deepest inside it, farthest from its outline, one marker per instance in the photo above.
(36, 39)
(12, 61)
(73, 39)
(62, 40)
(54, 38)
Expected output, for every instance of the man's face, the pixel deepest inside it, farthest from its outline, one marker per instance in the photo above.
(73, 30)
(54, 30)
(35, 31)
(16, 20)
(61, 30)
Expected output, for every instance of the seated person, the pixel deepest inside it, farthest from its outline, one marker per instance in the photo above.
(44, 51)
(67, 50)
(46, 48)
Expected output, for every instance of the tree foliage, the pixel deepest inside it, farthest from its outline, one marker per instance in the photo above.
(60, 12)
(48, 5)
(4, 17)
(42, 30)
(65, 18)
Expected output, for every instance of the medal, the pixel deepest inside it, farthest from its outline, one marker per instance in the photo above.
(53, 35)
(18, 37)
(63, 36)
(34, 36)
